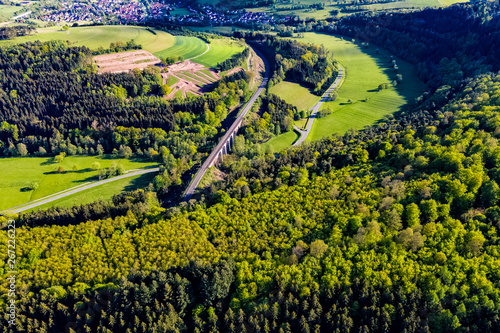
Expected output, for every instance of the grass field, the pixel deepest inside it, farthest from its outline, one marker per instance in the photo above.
(186, 47)
(281, 142)
(104, 192)
(172, 80)
(6, 11)
(405, 4)
(366, 68)
(101, 36)
(18, 173)
(295, 94)
(332, 5)
(160, 43)
(220, 50)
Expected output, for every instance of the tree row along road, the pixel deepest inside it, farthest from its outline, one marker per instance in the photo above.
(80, 188)
(315, 109)
(225, 139)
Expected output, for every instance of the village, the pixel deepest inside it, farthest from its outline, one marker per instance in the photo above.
(134, 11)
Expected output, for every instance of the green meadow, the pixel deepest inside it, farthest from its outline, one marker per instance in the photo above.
(20, 173)
(160, 43)
(359, 103)
(186, 47)
(281, 142)
(220, 50)
(104, 192)
(101, 36)
(295, 94)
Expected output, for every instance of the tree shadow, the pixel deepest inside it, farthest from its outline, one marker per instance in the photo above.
(142, 181)
(54, 172)
(86, 180)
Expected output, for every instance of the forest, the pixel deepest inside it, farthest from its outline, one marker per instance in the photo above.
(393, 228)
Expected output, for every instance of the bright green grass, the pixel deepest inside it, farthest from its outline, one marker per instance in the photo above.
(186, 47)
(301, 123)
(451, 2)
(101, 36)
(18, 173)
(180, 12)
(161, 45)
(104, 192)
(366, 68)
(220, 50)
(295, 94)
(217, 30)
(190, 94)
(206, 74)
(281, 142)
(7, 11)
(171, 80)
(405, 4)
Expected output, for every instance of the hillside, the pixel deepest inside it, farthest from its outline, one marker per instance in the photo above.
(391, 227)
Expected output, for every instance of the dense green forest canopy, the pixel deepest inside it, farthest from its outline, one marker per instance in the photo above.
(394, 228)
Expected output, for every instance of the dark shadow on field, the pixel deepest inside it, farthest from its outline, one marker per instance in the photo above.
(55, 172)
(48, 162)
(142, 181)
(86, 180)
(384, 59)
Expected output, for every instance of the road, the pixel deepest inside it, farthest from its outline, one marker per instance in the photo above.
(21, 16)
(315, 109)
(80, 188)
(208, 162)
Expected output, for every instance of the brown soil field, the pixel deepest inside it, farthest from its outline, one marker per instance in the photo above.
(125, 61)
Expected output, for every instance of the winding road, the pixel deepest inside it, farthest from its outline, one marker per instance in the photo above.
(76, 189)
(315, 109)
(227, 137)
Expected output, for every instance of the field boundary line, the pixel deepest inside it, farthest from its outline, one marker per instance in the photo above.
(199, 55)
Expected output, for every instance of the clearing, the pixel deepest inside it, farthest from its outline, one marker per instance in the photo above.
(159, 43)
(359, 103)
(21, 172)
(125, 61)
(220, 50)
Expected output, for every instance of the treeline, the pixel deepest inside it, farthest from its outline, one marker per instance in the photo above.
(77, 111)
(275, 116)
(234, 61)
(308, 64)
(15, 31)
(118, 46)
(138, 202)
